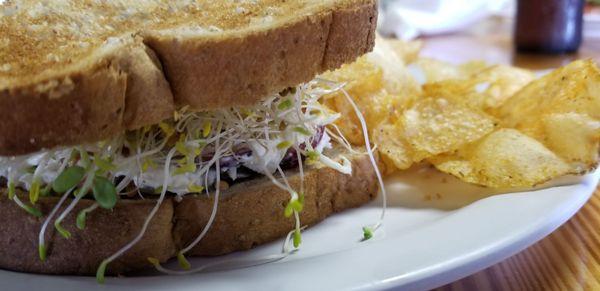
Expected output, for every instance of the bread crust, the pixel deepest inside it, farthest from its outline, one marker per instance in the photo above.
(105, 233)
(241, 70)
(127, 88)
(249, 214)
(78, 107)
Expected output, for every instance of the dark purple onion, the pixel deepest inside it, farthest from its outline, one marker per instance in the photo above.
(290, 159)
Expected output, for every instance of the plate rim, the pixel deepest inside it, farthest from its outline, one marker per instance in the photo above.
(502, 251)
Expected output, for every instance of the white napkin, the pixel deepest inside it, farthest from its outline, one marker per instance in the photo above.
(407, 19)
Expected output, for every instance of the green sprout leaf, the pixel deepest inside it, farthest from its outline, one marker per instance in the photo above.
(148, 164)
(183, 262)
(82, 216)
(193, 188)
(186, 168)
(42, 252)
(289, 210)
(167, 129)
(302, 130)
(296, 205)
(313, 156)
(182, 148)
(11, 190)
(206, 129)
(285, 104)
(34, 192)
(79, 194)
(297, 238)
(197, 151)
(104, 165)
(367, 233)
(154, 261)
(68, 179)
(73, 156)
(80, 221)
(316, 112)
(101, 271)
(105, 192)
(46, 191)
(32, 210)
(65, 233)
(85, 157)
(284, 145)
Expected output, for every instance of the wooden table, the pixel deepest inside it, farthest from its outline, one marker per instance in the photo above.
(569, 258)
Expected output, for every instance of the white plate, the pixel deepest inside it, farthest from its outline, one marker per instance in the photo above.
(437, 230)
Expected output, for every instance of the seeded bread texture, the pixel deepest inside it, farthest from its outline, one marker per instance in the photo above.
(96, 79)
(249, 214)
(106, 232)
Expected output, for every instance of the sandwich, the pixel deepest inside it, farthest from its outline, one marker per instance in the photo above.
(167, 129)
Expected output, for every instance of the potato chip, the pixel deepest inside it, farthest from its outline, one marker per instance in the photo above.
(427, 70)
(429, 127)
(574, 137)
(558, 130)
(392, 147)
(460, 91)
(550, 126)
(378, 84)
(434, 126)
(504, 159)
(472, 67)
(572, 88)
(408, 51)
(485, 90)
(561, 110)
(361, 76)
(500, 82)
(363, 79)
(376, 109)
(397, 80)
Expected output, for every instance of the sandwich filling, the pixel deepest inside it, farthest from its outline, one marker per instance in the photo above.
(191, 154)
(268, 137)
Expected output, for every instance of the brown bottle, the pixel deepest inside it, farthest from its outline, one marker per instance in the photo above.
(548, 26)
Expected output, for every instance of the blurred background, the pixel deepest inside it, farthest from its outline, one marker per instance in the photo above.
(534, 31)
(409, 19)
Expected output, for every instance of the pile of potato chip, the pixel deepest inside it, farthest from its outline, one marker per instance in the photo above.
(492, 125)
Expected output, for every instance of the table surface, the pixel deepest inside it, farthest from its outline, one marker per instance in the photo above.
(569, 258)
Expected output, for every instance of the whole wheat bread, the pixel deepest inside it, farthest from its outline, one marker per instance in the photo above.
(82, 71)
(249, 214)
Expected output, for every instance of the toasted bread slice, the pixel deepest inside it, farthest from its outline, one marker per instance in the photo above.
(249, 214)
(82, 71)
(106, 231)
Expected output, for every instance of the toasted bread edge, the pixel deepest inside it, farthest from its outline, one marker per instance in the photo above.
(144, 79)
(249, 214)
